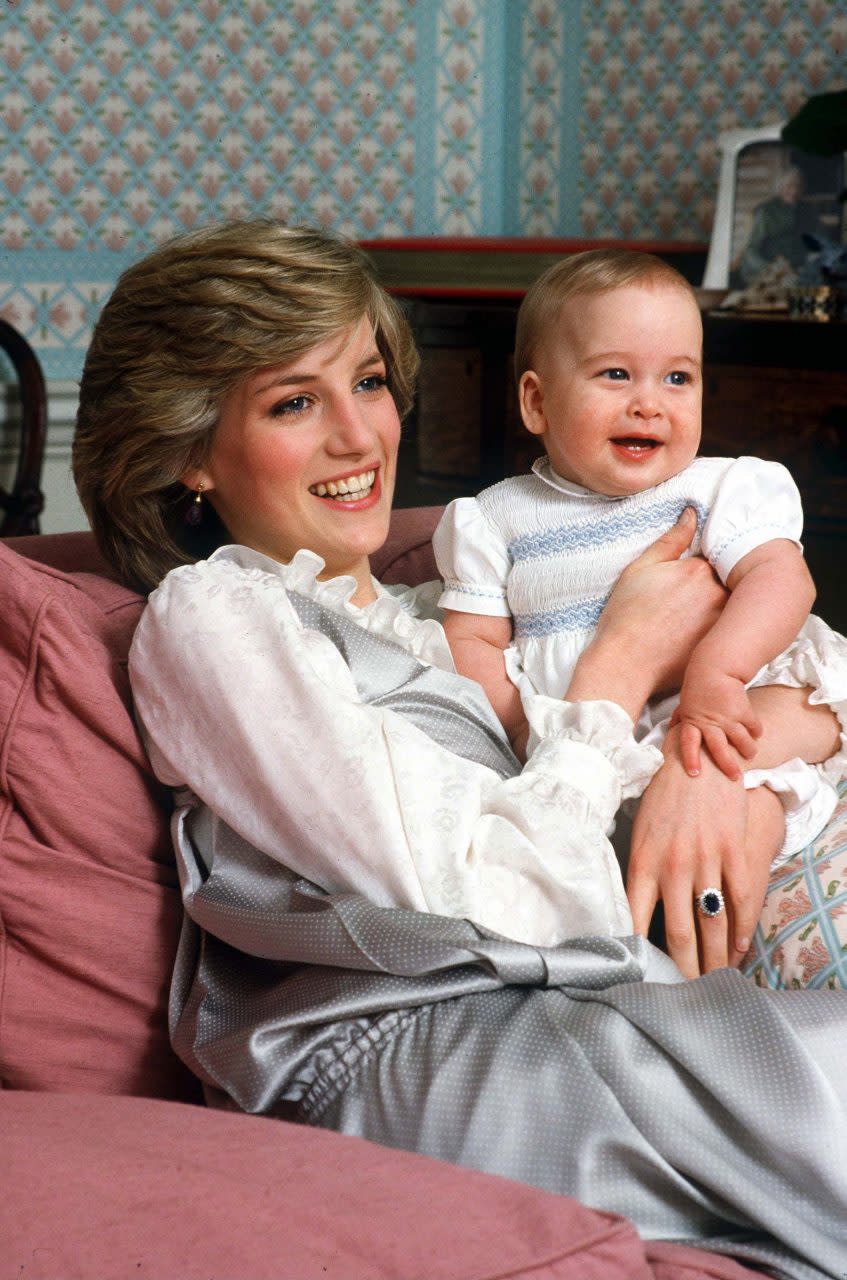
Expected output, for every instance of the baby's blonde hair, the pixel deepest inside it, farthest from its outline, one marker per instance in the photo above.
(581, 275)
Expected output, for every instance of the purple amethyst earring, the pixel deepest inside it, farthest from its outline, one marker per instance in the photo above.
(194, 512)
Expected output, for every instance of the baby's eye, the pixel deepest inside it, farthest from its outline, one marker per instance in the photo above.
(615, 375)
(372, 382)
(297, 404)
(678, 378)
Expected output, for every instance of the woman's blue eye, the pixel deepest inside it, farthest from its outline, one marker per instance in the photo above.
(297, 404)
(678, 378)
(373, 382)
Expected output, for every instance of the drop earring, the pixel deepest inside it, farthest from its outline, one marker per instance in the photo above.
(194, 513)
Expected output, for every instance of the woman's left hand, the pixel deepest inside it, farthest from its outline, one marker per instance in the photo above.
(689, 835)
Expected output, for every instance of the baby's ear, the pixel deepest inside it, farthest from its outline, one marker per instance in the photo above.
(531, 401)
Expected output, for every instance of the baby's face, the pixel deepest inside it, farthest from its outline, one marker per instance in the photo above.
(616, 395)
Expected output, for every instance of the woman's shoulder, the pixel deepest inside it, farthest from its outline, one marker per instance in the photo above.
(202, 603)
(239, 572)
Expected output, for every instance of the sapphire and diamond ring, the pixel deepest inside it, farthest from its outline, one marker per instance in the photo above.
(710, 902)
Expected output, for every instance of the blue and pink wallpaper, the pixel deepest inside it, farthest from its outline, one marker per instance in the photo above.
(123, 122)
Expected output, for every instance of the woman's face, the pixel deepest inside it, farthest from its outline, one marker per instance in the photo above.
(304, 455)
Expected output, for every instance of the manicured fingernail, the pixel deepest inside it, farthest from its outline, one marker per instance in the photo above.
(742, 945)
(694, 773)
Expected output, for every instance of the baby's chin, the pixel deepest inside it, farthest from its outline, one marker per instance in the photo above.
(625, 485)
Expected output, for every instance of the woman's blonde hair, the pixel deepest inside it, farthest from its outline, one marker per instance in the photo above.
(183, 327)
(580, 275)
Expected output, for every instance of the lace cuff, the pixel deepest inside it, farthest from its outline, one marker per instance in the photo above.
(604, 726)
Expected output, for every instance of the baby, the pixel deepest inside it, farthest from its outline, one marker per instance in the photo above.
(608, 360)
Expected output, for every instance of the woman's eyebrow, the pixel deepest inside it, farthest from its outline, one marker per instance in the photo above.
(373, 357)
(283, 380)
(291, 379)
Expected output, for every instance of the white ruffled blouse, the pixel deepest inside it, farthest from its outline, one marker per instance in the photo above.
(248, 711)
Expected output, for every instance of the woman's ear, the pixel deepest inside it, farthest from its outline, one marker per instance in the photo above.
(195, 478)
(531, 401)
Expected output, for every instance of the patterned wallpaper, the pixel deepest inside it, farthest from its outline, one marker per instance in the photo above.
(658, 81)
(125, 121)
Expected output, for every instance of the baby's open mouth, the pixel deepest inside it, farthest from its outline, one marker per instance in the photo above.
(351, 489)
(635, 444)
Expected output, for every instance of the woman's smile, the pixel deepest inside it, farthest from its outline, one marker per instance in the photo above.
(347, 489)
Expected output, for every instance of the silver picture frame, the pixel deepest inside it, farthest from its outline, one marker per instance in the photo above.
(756, 165)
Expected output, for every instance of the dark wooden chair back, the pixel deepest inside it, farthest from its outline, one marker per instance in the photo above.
(21, 506)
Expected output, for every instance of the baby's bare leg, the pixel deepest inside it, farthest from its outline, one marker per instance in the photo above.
(765, 834)
(790, 727)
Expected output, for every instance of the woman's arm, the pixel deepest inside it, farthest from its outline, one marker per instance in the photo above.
(261, 719)
(771, 595)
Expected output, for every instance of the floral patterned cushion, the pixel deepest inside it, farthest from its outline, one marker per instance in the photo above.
(801, 939)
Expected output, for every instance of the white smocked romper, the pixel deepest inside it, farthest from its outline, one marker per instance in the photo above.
(547, 552)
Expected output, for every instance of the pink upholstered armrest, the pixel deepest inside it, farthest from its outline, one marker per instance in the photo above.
(406, 557)
(127, 1186)
(70, 552)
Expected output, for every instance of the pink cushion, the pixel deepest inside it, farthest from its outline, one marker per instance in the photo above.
(99, 1187)
(74, 552)
(407, 555)
(88, 891)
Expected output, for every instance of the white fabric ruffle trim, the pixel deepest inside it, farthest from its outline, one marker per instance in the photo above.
(602, 725)
(817, 659)
(390, 616)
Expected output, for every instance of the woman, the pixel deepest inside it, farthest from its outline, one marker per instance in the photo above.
(346, 805)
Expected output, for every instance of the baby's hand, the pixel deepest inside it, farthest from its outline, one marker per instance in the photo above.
(714, 711)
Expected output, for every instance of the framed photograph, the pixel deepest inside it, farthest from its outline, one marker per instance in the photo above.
(769, 196)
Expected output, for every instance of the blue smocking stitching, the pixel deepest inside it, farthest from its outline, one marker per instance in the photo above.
(603, 529)
(582, 616)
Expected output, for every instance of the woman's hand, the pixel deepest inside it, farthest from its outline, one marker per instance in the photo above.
(690, 834)
(660, 609)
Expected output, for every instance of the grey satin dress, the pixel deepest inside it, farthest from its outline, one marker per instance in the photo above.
(711, 1112)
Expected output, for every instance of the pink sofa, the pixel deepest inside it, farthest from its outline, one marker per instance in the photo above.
(113, 1167)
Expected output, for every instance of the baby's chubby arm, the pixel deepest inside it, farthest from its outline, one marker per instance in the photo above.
(771, 594)
(478, 643)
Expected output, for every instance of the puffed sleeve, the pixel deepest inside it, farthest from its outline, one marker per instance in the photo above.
(756, 502)
(472, 560)
(259, 717)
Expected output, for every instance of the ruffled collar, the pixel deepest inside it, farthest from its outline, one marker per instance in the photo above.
(545, 472)
(394, 615)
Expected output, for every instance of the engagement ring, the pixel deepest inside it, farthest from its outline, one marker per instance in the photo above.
(710, 902)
